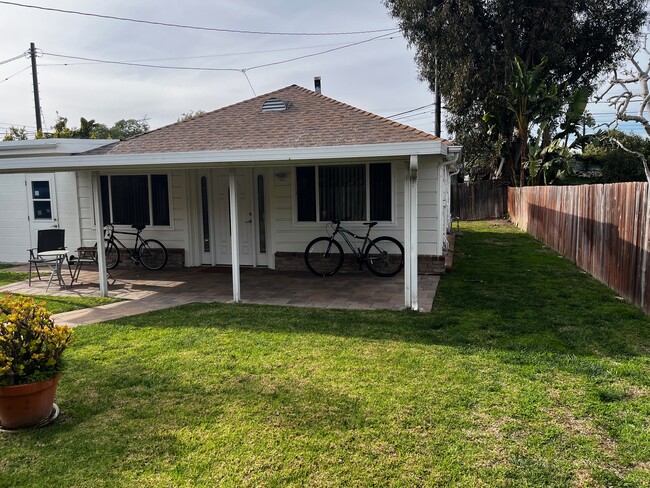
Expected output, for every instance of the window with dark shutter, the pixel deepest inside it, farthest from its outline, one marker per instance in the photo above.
(345, 192)
(135, 199)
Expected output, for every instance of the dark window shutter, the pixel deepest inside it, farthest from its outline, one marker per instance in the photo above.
(381, 194)
(160, 199)
(306, 193)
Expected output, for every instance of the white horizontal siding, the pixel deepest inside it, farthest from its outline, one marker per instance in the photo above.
(68, 208)
(14, 222)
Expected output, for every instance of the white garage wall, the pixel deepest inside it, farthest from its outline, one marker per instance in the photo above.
(14, 223)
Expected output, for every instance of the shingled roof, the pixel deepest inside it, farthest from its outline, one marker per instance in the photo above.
(310, 120)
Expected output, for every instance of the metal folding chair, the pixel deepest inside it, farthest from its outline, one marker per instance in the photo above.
(47, 240)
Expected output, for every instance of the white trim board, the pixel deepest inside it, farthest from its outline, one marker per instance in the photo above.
(255, 157)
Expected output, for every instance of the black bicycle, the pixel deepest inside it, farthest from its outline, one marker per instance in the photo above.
(384, 256)
(148, 252)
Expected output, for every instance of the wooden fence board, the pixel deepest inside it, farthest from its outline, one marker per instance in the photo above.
(604, 229)
(479, 200)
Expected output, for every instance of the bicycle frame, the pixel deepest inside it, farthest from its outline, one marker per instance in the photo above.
(359, 252)
(133, 253)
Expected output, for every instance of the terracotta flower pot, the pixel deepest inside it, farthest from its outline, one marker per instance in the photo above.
(27, 405)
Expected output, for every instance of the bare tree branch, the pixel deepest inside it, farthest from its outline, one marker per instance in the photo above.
(640, 78)
(636, 153)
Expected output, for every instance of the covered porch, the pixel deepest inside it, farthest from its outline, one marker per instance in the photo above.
(145, 291)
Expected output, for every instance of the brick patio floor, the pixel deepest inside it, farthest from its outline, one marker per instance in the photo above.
(145, 291)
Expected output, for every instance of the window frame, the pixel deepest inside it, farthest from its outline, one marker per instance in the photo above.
(148, 174)
(318, 222)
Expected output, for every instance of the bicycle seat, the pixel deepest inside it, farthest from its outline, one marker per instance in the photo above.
(138, 226)
(370, 224)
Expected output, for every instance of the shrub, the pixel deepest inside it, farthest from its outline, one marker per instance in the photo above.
(31, 345)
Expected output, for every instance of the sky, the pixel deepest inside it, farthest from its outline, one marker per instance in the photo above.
(379, 76)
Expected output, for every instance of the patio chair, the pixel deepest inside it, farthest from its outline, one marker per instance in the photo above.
(87, 256)
(47, 240)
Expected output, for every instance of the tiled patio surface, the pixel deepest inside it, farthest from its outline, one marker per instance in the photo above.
(145, 291)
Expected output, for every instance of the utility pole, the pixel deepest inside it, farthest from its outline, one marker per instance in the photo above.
(37, 99)
(438, 103)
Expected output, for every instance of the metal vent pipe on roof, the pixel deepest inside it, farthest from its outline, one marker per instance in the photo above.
(317, 84)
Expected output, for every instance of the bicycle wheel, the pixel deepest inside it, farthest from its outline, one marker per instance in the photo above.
(385, 256)
(324, 256)
(152, 254)
(112, 255)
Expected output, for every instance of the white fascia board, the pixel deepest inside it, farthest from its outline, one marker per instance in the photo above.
(49, 147)
(256, 157)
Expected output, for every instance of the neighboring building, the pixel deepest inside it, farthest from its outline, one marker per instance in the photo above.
(29, 202)
(292, 160)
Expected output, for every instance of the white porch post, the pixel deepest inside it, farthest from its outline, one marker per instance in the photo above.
(234, 235)
(411, 234)
(99, 233)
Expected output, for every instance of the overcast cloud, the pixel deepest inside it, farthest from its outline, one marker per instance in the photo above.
(378, 76)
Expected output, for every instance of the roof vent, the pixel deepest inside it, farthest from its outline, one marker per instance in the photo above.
(275, 105)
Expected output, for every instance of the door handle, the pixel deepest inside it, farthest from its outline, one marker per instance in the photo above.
(248, 221)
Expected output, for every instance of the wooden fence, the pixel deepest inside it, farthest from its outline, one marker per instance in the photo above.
(604, 229)
(479, 200)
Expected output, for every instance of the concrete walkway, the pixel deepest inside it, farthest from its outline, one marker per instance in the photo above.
(146, 291)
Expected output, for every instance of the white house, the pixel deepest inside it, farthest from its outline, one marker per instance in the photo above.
(252, 183)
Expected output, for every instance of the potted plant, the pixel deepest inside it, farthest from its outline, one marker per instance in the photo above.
(31, 346)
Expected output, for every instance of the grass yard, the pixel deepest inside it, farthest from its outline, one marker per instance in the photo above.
(527, 373)
(55, 304)
(7, 277)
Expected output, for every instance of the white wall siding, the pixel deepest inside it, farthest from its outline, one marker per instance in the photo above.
(67, 208)
(14, 223)
(429, 230)
(292, 236)
(86, 215)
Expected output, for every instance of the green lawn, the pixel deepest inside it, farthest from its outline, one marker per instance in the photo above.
(7, 277)
(52, 303)
(527, 373)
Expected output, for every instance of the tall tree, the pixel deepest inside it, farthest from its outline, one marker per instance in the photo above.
(476, 41)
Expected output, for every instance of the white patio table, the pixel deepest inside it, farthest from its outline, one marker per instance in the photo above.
(54, 259)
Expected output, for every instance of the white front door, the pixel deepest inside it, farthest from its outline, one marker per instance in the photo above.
(222, 216)
(41, 197)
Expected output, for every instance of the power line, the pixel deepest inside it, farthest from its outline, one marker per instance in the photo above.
(22, 55)
(409, 111)
(140, 65)
(15, 74)
(16, 125)
(322, 52)
(210, 55)
(193, 27)
(205, 68)
(406, 117)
